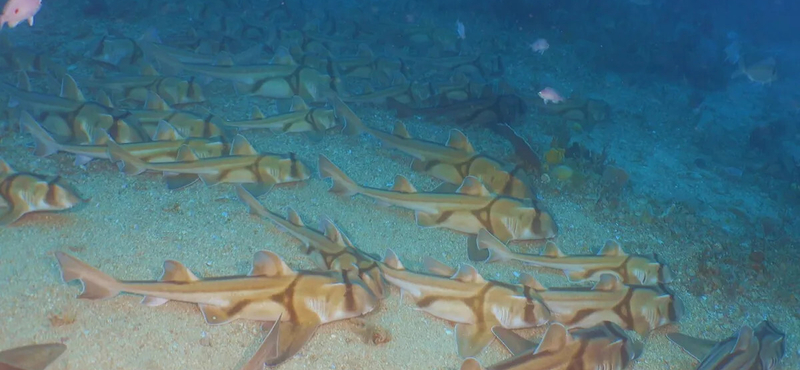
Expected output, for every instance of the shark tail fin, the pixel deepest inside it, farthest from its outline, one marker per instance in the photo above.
(45, 144)
(127, 162)
(342, 184)
(96, 284)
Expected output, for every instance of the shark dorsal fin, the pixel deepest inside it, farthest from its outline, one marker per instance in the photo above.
(611, 248)
(400, 130)
(608, 282)
(529, 281)
(186, 154)
(402, 185)
(268, 264)
(294, 218)
(472, 186)
(282, 56)
(459, 141)
(100, 136)
(554, 339)
(70, 90)
(256, 113)
(438, 268)
(103, 99)
(332, 232)
(23, 81)
(148, 70)
(241, 146)
(121, 129)
(155, 102)
(176, 272)
(165, 131)
(298, 104)
(392, 261)
(468, 274)
(552, 250)
(5, 168)
(224, 59)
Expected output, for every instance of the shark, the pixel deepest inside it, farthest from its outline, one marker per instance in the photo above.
(188, 123)
(257, 173)
(604, 346)
(22, 192)
(164, 147)
(68, 115)
(759, 348)
(134, 88)
(299, 118)
(641, 308)
(450, 163)
(469, 209)
(31, 357)
(611, 259)
(331, 249)
(301, 300)
(466, 298)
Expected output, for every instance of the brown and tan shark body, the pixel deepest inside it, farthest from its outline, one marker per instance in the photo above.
(611, 259)
(164, 147)
(604, 346)
(299, 119)
(331, 250)
(31, 357)
(22, 193)
(466, 298)
(69, 116)
(761, 348)
(257, 173)
(301, 300)
(187, 123)
(471, 208)
(134, 88)
(451, 162)
(641, 308)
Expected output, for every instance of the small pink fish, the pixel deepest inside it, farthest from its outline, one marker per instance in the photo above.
(548, 94)
(540, 46)
(17, 11)
(460, 29)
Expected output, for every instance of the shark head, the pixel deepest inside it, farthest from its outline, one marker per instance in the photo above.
(773, 345)
(657, 306)
(649, 270)
(290, 169)
(353, 298)
(536, 224)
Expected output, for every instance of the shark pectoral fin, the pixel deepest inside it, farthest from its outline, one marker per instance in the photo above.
(32, 357)
(471, 364)
(216, 315)
(427, 219)
(472, 339)
(695, 347)
(268, 348)
(512, 341)
(291, 336)
(13, 214)
(497, 250)
(177, 181)
(258, 189)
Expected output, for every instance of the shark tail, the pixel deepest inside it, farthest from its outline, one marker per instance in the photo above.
(45, 144)
(128, 163)
(96, 284)
(342, 184)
